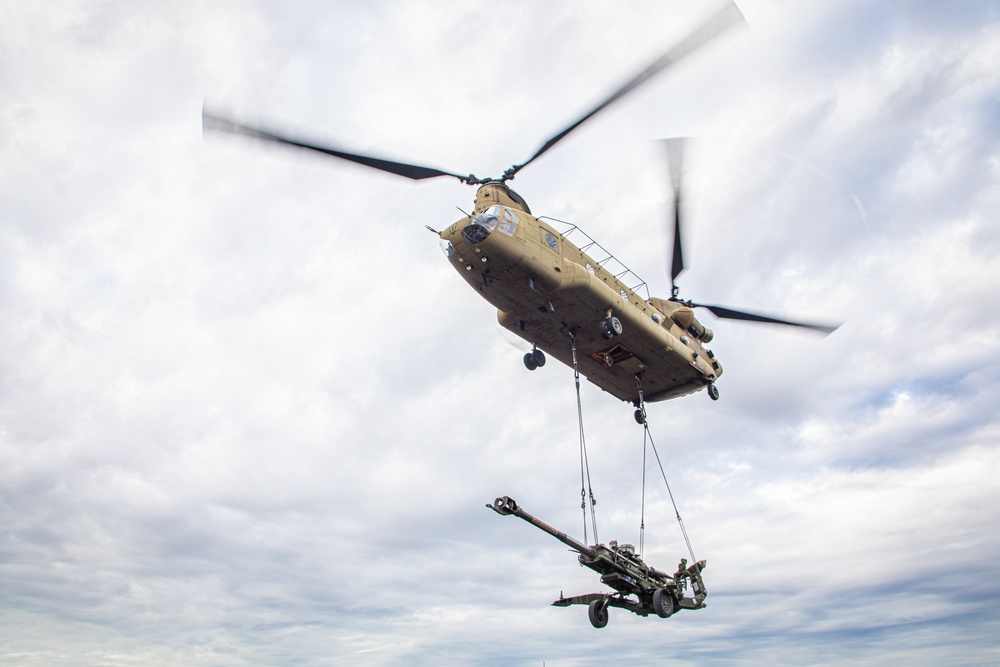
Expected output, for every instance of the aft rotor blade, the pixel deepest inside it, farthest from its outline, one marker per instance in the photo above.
(730, 314)
(718, 23)
(675, 160)
(411, 171)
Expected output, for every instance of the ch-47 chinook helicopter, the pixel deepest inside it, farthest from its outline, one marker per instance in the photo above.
(549, 291)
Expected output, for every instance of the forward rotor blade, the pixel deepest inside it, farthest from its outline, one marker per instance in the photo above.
(728, 17)
(675, 160)
(411, 171)
(730, 314)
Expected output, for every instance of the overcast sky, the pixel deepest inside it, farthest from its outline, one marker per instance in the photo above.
(250, 416)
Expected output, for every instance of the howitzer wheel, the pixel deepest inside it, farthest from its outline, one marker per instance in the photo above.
(598, 613)
(664, 603)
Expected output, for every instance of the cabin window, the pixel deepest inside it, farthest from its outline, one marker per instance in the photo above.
(590, 268)
(551, 240)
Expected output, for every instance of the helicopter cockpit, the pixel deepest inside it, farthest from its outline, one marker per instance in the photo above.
(495, 217)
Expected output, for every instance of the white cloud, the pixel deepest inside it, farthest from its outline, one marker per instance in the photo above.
(248, 415)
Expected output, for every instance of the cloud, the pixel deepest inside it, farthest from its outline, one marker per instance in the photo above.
(249, 416)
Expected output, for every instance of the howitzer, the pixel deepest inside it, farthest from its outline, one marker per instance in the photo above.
(641, 589)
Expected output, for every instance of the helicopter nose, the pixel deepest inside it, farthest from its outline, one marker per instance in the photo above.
(479, 228)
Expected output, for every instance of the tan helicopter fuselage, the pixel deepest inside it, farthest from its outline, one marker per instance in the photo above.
(546, 289)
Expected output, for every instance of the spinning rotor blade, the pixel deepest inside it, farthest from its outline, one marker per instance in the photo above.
(726, 18)
(730, 314)
(675, 159)
(412, 171)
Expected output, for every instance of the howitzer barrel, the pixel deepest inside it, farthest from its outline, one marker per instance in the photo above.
(507, 505)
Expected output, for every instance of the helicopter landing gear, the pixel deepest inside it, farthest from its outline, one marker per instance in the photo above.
(664, 603)
(598, 612)
(713, 392)
(534, 359)
(639, 403)
(610, 327)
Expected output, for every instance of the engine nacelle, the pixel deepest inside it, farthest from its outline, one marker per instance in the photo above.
(685, 319)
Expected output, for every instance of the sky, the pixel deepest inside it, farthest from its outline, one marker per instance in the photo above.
(250, 416)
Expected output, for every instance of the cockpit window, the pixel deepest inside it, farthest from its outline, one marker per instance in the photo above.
(509, 224)
(487, 220)
(476, 231)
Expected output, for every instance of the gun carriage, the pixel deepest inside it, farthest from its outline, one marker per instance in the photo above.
(639, 588)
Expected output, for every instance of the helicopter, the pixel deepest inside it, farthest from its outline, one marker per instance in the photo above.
(550, 291)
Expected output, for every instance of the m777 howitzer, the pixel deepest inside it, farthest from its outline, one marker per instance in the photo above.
(639, 588)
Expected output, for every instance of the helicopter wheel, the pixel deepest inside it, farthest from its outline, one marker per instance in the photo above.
(529, 361)
(610, 328)
(663, 603)
(638, 416)
(598, 613)
(539, 357)
(713, 392)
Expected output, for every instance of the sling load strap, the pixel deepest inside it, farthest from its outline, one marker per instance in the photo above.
(647, 436)
(585, 486)
(642, 513)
